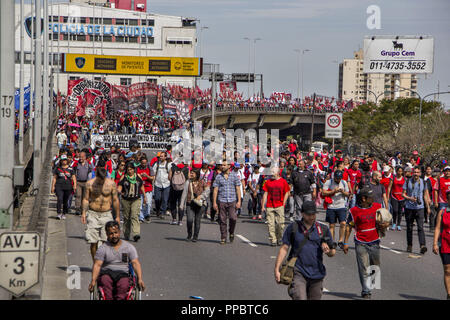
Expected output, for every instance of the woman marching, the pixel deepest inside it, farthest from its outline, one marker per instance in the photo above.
(63, 184)
(441, 242)
(194, 204)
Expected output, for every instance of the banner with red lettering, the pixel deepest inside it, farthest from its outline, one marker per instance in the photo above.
(88, 98)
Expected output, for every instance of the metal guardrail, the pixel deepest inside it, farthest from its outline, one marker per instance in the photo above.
(243, 110)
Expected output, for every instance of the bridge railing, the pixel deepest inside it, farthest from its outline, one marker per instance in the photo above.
(242, 110)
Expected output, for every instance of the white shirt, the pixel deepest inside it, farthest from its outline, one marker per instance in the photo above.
(162, 175)
(61, 137)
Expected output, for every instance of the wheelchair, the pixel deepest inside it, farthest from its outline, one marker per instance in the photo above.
(133, 293)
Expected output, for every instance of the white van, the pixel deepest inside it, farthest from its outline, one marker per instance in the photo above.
(318, 146)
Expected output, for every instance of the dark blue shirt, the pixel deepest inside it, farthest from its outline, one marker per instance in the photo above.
(310, 260)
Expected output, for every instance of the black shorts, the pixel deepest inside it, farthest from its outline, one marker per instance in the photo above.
(445, 257)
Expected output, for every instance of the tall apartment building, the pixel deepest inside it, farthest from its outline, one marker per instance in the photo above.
(361, 87)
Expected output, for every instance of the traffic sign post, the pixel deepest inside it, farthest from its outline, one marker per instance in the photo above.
(19, 261)
(333, 125)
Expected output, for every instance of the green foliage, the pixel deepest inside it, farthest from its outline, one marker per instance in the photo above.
(394, 126)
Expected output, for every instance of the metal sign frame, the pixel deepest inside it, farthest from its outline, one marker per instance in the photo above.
(333, 130)
(22, 263)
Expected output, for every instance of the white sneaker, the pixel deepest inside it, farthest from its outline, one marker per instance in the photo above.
(63, 217)
(59, 216)
(291, 219)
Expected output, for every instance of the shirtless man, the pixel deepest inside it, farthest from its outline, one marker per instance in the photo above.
(100, 194)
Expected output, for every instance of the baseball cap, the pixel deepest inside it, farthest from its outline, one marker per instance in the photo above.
(338, 174)
(63, 157)
(366, 192)
(386, 168)
(338, 151)
(309, 207)
(446, 168)
(237, 165)
(408, 169)
(415, 152)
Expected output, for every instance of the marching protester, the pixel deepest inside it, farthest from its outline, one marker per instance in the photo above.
(130, 188)
(339, 191)
(416, 195)
(276, 194)
(441, 241)
(147, 176)
(308, 240)
(194, 205)
(304, 185)
(226, 200)
(362, 217)
(161, 185)
(396, 197)
(441, 186)
(82, 169)
(63, 184)
(99, 198)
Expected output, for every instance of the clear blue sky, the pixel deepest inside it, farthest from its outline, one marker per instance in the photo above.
(331, 29)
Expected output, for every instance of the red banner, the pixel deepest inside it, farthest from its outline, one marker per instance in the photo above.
(88, 98)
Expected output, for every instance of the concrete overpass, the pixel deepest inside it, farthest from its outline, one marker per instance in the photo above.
(290, 121)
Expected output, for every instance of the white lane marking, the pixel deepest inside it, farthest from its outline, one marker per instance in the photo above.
(392, 250)
(246, 240)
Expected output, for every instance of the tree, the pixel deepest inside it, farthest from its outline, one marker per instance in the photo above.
(394, 126)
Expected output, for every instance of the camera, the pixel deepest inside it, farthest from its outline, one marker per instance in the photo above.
(419, 203)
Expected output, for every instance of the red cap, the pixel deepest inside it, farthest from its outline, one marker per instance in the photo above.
(415, 152)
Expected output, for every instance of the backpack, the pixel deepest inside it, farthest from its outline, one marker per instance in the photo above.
(178, 180)
(365, 179)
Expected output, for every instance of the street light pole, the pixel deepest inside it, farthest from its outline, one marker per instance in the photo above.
(254, 62)
(248, 88)
(298, 74)
(303, 52)
(376, 97)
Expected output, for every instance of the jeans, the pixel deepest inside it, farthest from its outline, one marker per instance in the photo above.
(63, 200)
(411, 215)
(366, 255)
(227, 210)
(432, 217)
(146, 209)
(193, 217)
(397, 210)
(298, 200)
(176, 205)
(161, 200)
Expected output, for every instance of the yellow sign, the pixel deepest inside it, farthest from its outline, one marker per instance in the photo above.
(157, 66)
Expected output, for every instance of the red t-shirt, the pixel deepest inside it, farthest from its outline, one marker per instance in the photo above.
(276, 190)
(385, 182)
(292, 148)
(355, 177)
(147, 184)
(397, 188)
(442, 185)
(365, 222)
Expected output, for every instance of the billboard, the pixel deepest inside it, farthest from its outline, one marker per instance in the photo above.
(395, 54)
(128, 65)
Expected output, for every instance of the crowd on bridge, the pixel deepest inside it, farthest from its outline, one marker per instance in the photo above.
(136, 188)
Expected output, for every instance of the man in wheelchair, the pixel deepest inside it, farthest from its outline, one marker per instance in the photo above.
(111, 265)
